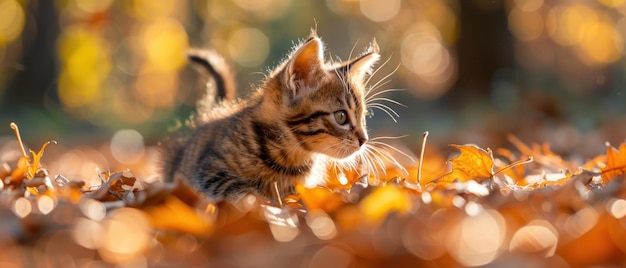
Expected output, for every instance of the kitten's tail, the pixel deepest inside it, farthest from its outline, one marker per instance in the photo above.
(222, 85)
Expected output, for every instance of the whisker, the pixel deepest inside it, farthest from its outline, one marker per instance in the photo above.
(383, 92)
(385, 145)
(382, 106)
(384, 78)
(352, 50)
(383, 154)
(378, 85)
(385, 109)
(376, 71)
(388, 100)
(376, 162)
(387, 138)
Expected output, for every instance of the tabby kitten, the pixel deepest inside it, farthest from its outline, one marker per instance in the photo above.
(305, 114)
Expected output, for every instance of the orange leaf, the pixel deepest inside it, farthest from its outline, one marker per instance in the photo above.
(35, 165)
(615, 162)
(319, 198)
(175, 215)
(384, 200)
(20, 172)
(473, 163)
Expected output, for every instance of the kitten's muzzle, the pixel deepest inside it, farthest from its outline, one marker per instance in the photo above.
(362, 137)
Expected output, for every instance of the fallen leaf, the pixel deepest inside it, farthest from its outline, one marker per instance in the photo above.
(35, 164)
(473, 163)
(175, 215)
(114, 187)
(319, 198)
(383, 201)
(615, 162)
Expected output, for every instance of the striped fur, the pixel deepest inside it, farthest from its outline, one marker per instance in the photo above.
(305, 113)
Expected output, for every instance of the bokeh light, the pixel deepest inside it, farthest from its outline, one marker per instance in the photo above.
(321, 224)
(164, 41)
(525, 25)
(565, 23)
(85, 65)
(146, 9)
(45, 204)
(22, 207)
(380, 10)
(248, 47)
(478, 240)
(12, 19)
(601, 43)
(424, 54)
(617, 208)
(127, 146)
(126, 236)
(537, 236)
(264, 9)
(330, 256)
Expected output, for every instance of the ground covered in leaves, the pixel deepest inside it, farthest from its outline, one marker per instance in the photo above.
(526, 207)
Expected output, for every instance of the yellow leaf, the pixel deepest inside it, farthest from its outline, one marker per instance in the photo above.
(384, 200)
(36, 162)
(473, 163)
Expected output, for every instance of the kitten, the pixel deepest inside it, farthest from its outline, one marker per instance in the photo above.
(305, 114)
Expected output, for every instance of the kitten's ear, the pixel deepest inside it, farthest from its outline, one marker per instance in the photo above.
(357, 69)
(305, 67)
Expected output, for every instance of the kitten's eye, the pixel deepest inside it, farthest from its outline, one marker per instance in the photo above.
(341, 117)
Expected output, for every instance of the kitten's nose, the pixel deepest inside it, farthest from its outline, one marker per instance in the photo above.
(362, 136)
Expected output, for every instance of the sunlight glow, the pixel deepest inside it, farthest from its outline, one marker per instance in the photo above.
(284, 233)
(536, 236)
(92, 209)
(85, 65)
(125, 236)
(525, 25)
(12, 21)
(22, 207)
(127, 146)
(249, 47)
(87, 233)
(478, 239)
(45, 204)
(617, 208)
(321, 224)
(380, 10)
(331, 256)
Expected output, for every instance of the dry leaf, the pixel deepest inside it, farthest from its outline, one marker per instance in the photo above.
(175, 215)
(383, 201)
(615, 162)
(473, 163)
(319, 198)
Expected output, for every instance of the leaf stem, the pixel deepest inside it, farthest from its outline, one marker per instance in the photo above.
(419, 167)
(514, 164)
(280, 201)
(19, 138)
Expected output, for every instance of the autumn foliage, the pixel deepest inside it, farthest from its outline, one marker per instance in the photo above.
(521, 205)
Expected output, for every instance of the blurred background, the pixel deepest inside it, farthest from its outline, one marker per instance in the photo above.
(473, 71)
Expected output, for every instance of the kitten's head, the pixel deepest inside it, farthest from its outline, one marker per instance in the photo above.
(323, 104)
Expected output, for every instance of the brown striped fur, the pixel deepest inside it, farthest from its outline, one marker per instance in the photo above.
(306, 113)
